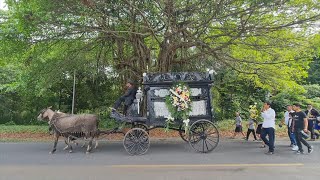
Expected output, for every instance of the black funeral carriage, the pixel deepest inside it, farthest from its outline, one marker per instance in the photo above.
(149, 111)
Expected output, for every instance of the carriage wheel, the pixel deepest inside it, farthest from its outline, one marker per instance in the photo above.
(182, 134)
(136, 141)
(203, 136)
(140, 125)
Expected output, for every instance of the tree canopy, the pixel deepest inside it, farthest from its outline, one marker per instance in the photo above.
(254, 47)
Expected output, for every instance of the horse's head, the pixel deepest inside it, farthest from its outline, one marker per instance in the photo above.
(45, 114)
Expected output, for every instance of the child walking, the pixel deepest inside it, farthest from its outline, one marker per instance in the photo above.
(251, 129)
(238, 129)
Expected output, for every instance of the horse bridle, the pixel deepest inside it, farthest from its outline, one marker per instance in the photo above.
(41, 112)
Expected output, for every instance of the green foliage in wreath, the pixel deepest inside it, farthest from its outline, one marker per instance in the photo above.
(178, 103)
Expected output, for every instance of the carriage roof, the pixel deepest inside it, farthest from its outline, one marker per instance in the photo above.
(165, 79)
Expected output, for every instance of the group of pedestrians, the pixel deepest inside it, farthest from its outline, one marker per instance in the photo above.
(251, 128)
(299, 125)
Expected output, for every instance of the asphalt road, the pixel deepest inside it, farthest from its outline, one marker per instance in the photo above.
(166, 159)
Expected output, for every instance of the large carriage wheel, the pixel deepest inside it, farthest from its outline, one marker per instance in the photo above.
(203, 136)
(136, 141)
(140, 125)
(182, 134)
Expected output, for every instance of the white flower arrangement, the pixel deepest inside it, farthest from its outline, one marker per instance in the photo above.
(169, 120)
(254, 113)
(186, 125)
(179, 105)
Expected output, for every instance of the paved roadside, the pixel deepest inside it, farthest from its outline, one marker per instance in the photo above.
(166, 159)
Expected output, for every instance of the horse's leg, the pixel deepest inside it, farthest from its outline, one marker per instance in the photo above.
(70, 149)
(74, 140)
(56, 136)
(89, 145)
(84, 142)
(66, 141)
(69, 145)
(97, 143)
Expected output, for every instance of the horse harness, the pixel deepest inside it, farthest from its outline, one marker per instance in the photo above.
(67, 134)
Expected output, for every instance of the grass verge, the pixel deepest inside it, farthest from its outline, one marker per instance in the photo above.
(23, 129)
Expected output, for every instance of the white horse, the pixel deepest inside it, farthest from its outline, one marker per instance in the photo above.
(71, 127)
(75, 140)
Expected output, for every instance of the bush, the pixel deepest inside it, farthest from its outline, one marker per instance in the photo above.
(313, 91)
(9, 123)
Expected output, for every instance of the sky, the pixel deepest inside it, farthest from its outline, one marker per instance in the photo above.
(2, 5)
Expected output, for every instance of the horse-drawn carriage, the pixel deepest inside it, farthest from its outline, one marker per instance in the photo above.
(149, 111)
(152, 112)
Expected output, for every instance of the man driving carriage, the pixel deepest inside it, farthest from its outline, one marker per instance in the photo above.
(128, 97)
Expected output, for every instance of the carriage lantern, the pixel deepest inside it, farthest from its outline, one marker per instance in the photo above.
(139, 98)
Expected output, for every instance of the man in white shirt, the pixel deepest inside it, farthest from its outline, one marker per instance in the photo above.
(288, 122)
(268, 126)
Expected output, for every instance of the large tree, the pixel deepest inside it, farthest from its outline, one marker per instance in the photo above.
(43, 42)
(251, 36)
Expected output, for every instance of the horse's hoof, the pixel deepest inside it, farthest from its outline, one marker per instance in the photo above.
(70, 151)
(65, 148)
(50, 152)
(88, 152)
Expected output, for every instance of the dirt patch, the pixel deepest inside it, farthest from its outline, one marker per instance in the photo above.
(156, 133)
(25, 136)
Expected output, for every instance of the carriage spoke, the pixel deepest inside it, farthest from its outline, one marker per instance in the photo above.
(202, 127)
(130, 144)
(136, 134)
(143, 147)
(212, 140)
(130, 149)
(207, 142)
(195, 139)
(140, 134)
(204, 136)
(136, 141)
(202, 145)
(131, 136)
(196, 133)
(134, 145)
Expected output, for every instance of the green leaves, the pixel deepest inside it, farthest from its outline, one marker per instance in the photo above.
(264, 45)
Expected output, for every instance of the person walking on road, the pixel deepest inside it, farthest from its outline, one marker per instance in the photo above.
(254, 113)
(268, 126)
(251, 129)
(258, 132)
(288, 122)
(312, 114)
(238, 129)
(300, 126)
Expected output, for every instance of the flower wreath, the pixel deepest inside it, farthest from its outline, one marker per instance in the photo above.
(178, 103)
(254, 113)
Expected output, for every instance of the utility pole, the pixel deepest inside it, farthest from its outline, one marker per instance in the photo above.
(73, 91)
